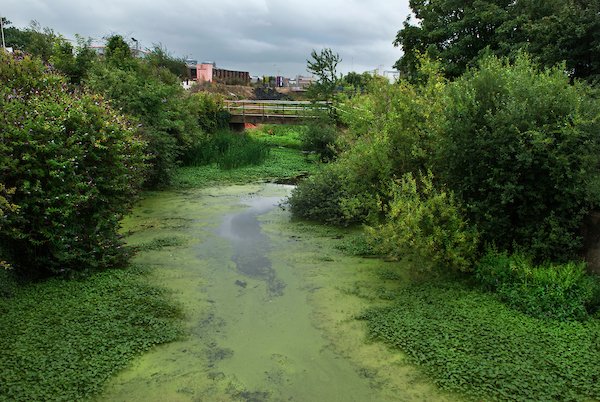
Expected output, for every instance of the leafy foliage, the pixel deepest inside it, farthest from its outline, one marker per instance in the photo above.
(320, 137)
(391, 131)
(459, 34)
(558, 291)
(427, 223)
(324, 66)
(520, 149)
(159, 58)
(75, 165)
(171, 122)
(471, 343)
(74, 63)
(63, 339)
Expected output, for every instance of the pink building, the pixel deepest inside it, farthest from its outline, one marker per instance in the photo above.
(208, 72)
(204, 72)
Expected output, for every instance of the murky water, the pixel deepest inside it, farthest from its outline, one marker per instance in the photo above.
(270, 306)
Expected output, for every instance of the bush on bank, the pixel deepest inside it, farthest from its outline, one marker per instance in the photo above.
(520, 148)
(73, 167)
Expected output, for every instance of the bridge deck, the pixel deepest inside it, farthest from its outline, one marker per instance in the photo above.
(275, 112)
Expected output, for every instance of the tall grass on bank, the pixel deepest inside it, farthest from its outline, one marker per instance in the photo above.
(228, 150)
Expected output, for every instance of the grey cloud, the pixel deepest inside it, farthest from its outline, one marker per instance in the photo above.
(260, 36)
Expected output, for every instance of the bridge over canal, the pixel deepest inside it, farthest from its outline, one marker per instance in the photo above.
(272, 112)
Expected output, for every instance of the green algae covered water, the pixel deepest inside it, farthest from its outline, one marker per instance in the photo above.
(270, 306)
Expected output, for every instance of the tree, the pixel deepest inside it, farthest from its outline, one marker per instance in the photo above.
(159, 57)
(459, 33)
(323, 65)
(75, 63)
(118, 52)
(35, 40)
(520, 148)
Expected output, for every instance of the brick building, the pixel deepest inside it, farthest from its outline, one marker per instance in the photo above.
(208, 72)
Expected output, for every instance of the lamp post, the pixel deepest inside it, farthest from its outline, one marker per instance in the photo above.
(2, 30)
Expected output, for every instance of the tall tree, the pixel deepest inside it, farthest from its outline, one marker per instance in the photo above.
(324, 66)
(459, 32)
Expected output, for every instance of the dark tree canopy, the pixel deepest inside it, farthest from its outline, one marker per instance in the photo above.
(459, 32)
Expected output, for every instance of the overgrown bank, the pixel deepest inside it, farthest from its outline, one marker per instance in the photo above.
(487, 178)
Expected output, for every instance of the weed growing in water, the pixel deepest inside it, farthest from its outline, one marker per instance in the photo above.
(471, 343)
(62, 339)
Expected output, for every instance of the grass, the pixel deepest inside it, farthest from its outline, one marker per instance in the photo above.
(469, 342)
(281, 164)
(228, 150)
(279, 135)
(62, 339)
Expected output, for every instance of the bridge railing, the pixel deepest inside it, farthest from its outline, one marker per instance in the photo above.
(274, 109)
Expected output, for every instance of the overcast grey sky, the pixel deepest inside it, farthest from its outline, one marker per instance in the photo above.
(264, 37)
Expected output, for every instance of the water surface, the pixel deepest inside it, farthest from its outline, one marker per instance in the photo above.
(270, 306)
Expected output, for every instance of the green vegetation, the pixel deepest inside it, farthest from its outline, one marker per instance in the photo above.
(520, 147)
(282, 165)
(557, 291)
(324, 66)
(469, 342)
(505, 158)
(229, 150)
(279, 135)
(500, 141)
(552, 31)
(62, 339)
(73, 167)
(168, 120)
(427, 223)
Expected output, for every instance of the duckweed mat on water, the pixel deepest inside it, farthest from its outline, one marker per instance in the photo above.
(269, 305)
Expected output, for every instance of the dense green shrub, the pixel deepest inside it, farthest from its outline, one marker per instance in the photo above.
(425, 222)
(408, 116)
(351, 190)
(208, 110)
(391, 130)
(320, 137)
(520, 147)
(318, 197)
(559, 291)
(75, 167)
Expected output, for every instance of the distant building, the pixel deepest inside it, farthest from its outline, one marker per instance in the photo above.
(282, 82)
(301, 83)
(391, 75)
(208, 72)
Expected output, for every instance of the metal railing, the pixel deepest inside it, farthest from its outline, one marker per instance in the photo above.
(266, 109)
